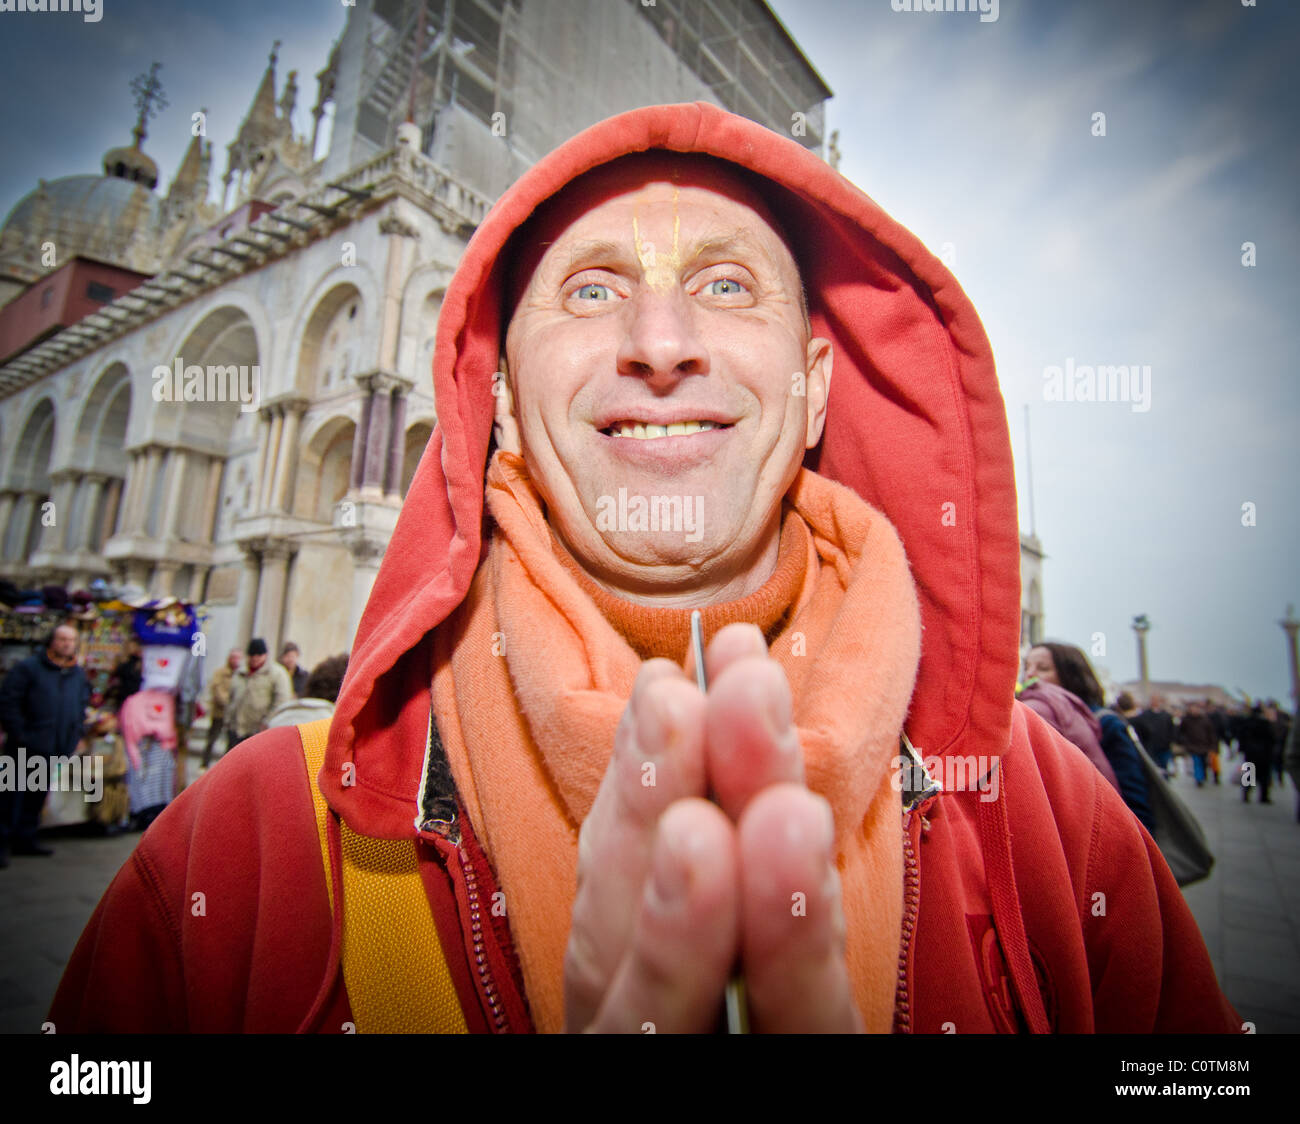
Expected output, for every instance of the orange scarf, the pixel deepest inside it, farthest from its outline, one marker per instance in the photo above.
(531, 678)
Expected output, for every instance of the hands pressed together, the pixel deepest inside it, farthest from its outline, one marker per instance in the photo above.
(674, 891)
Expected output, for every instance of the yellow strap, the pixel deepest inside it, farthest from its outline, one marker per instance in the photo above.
(393, 967)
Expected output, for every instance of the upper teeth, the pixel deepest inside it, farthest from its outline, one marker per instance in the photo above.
(648, 431)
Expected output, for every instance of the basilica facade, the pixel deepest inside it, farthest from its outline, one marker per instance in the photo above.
(221, 393)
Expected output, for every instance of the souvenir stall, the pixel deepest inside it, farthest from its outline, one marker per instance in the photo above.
(96, 787)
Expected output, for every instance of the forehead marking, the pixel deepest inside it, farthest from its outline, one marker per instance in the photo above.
(658, 268)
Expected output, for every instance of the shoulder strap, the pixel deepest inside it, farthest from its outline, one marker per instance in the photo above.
(396, 976)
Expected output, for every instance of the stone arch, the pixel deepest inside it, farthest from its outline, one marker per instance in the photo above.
(417, 437)
(421, 305)
(102, 427)
(223, 337)
(324, 469)
(359, 278)
(29, 474)
(329, 349)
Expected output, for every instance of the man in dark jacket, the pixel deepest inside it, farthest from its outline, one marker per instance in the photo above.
(1155, 726)
(43, 710)
(1255, 736)
(1196, 734)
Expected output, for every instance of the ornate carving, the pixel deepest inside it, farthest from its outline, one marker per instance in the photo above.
(393, 223)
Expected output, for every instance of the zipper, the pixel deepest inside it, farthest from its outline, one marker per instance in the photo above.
(439, 823)
(911, 907)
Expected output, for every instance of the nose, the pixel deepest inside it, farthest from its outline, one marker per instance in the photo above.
(662, 345)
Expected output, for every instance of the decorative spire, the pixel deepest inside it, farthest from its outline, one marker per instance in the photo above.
(149, 100)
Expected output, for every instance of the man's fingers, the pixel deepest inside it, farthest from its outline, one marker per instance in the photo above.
(658, 758)
(733, 642)
(750, 734)
(683, 943)
(792, 920)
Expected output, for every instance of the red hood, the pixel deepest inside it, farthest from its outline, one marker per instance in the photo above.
(916, 426)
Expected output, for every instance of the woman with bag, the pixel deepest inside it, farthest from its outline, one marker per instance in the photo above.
(1067, 666)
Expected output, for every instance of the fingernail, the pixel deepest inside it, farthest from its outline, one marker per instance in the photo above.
(777, 716)
(658, 722)
(669, 879)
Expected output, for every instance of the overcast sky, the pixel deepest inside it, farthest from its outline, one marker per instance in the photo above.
(1075, 248)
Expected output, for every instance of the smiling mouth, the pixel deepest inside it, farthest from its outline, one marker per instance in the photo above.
(649, 431)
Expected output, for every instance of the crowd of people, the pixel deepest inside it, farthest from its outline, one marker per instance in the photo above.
(141, 724)
(1060, 685)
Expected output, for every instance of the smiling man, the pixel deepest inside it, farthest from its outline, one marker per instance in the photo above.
(525, 814)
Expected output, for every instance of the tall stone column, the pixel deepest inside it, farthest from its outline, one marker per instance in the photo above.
(358, 466)
(174, 478)
(270, 595)
(164, 579)
(20, 524)
(263, 446)
(376, 462)
(131, 492)
(266, 483)
(287, 462)
(150, 520)
(248, 582)
(91, 512)
(396, 443)
(208, 525)
(367, 552)
(7, 500)
(112, 505)
(197, 583)
(53, 537)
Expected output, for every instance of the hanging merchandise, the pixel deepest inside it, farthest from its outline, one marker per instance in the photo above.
(174, 624)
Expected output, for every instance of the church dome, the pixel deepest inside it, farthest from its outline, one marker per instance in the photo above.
(96, 216)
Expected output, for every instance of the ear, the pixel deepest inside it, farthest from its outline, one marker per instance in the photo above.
(505, 429)
(818, 363)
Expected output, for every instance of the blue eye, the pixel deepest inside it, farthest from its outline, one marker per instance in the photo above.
(594, 292)
(729, 287)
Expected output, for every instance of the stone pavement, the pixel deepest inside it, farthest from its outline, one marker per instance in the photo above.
(1248, 909)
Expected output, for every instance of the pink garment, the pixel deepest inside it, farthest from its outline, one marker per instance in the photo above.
(1072, 719)
(150, 713)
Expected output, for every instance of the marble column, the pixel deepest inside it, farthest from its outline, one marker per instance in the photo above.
(208, 525)
(266, 483)
(7, 501)
(287, 462)
(149, 521)
(51, 537)
(270, 595)
(263, 446)
(197, 583)
(358, 466)
(396, 444)
(169, 525)
(376, 461)
(112, 505)
(248, 582)
(131, 494)
(20, 526)
(85, 537)
(367, 553)
(164, 579)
